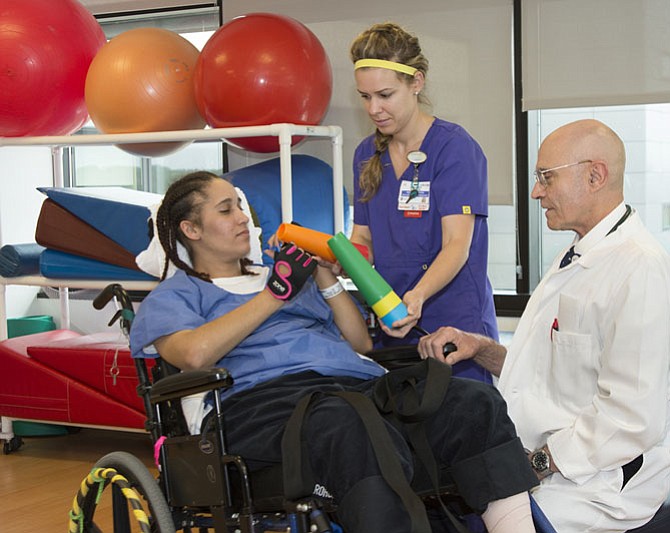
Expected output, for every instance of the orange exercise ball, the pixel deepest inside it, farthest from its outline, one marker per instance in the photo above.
(46, 48)
(261, 69)
(142, 81)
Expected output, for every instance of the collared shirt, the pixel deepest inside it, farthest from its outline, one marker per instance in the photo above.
(598, 232)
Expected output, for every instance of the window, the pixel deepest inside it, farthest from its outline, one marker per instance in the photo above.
(666, 217)
(574, 75)
(502, 268)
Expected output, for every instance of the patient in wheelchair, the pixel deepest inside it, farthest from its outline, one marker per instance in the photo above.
(291, 331)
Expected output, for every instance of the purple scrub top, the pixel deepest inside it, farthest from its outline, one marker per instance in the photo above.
(404, 247)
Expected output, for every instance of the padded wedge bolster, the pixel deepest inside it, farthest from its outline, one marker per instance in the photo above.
(58, 229)
(312, 188)
(94, 360)
(30, 389)
(120, 214)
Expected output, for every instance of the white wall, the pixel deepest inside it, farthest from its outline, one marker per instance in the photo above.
(23, 170)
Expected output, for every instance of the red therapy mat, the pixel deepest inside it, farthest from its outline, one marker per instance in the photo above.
(75, 390)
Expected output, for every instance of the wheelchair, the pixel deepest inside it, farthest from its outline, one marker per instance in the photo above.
(201, 487)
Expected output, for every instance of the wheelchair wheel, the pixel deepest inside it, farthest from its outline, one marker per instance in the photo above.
(134, 504)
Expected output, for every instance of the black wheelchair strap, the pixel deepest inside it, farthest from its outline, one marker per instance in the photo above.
(397, 393)
(387, 458)
(394, 393)
(400, 384)
(299, 480)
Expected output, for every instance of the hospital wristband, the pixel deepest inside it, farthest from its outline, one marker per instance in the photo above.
(332, 291)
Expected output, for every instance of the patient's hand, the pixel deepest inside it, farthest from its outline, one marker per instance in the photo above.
(273, 242)
(293, 266)
(334, 268)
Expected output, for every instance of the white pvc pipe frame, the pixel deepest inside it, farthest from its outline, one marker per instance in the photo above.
(284, 132)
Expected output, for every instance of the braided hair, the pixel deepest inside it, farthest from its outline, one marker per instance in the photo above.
(391, 42)
(182, 201)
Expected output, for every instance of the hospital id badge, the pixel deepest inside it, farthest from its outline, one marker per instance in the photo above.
(414, 196)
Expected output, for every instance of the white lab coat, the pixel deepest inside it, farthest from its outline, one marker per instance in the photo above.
(588, 373)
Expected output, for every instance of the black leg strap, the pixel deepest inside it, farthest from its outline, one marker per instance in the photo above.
(299, 480)
(395, 393)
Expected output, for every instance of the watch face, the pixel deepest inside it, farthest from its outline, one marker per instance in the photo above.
(540, 461)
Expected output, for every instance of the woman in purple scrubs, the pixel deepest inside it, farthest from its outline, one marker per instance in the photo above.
(420, 197)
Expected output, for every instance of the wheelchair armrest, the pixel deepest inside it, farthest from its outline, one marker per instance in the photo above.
(186, 383)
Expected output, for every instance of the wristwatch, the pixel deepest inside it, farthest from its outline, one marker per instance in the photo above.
(541, 462)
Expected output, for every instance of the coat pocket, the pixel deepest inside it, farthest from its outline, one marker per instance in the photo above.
(573, 372)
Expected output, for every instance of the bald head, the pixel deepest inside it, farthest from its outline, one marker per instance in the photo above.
(584, 164)
(591, 139)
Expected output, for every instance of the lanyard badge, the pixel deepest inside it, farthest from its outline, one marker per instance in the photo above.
(414, 196)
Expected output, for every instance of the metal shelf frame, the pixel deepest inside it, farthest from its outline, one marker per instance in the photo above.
(284, 132)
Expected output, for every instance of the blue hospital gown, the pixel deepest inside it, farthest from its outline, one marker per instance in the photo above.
(302, 335)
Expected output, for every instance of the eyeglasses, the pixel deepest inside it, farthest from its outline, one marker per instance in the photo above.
(542, 179)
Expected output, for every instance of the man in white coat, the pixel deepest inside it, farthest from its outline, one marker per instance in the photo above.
(586, 376)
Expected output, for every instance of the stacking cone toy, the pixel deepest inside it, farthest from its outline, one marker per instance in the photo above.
(312, 241)
(378, 294)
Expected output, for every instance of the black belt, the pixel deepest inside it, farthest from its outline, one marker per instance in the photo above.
(630, 469)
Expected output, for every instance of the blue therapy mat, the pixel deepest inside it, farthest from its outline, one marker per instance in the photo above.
(60, 265)
(120, 214)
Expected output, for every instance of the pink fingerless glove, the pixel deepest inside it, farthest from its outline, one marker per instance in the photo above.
(291, 270)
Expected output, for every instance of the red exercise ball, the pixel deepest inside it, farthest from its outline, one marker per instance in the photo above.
(142, 81)
(261, 69)
(46, 47)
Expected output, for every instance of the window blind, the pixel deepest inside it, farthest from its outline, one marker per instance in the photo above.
(104, 7)
(579, 53)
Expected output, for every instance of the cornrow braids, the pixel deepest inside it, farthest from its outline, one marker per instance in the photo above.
(391, 42)
(179, 203)
(182, 202)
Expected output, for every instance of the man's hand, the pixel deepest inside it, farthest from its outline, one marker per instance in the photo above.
(467, 345)
(485, 351)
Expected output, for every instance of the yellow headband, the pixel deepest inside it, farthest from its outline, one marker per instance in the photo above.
(382, 63)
